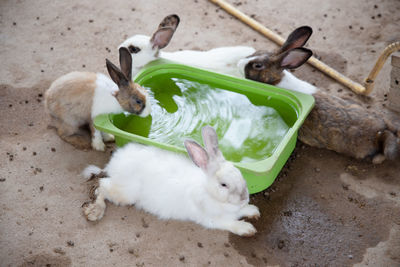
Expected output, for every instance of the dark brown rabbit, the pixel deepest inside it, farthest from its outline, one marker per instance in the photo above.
(348, 128)
(337, 124)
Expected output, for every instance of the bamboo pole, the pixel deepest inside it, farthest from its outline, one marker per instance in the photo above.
(369, 82)
(354, 86)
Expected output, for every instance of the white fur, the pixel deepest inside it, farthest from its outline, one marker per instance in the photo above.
(291, 82)
(97, 141)
(89, 170)
(107, 137)
(103, 100)
(170, 186)
(222, 59)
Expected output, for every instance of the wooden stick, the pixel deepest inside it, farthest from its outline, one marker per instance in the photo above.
(354, 86)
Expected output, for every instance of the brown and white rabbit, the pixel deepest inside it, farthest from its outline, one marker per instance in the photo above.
(73, 100)
(335, 123)
(205, 189)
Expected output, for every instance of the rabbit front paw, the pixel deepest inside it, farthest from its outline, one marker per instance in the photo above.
(97, 144)
(93, 211)
(108, 137)
(250, 211)
(243, 228)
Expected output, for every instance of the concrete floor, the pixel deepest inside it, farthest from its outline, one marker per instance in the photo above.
(324, 209)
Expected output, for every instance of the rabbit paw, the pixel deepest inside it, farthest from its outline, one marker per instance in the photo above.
(250, 211)
(108, 137)
(243, 228)
(93, 211)
(97, 144)
(378, 159)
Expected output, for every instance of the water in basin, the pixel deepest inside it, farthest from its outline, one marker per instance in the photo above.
(180, 107)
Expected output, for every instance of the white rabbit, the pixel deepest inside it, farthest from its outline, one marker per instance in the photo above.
(211, 193)
(73, 100)
(145, 49)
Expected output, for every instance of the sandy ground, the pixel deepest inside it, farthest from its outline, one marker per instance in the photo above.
(324, 209)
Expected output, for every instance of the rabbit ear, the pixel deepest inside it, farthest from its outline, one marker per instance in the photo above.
(161, 38)
(116, 75)
(171, 21)
(125, 61)
(295, 58)
(165, 31)
(197, 154)
(210, 140)
(297, 38)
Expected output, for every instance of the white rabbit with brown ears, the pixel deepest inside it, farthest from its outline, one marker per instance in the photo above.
(145, 49)
(75, 99)
(335, 123)
(205, 189)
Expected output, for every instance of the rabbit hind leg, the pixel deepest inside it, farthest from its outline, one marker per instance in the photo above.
(107, 190)
(115, 193)
(76, 136)
(95, 211)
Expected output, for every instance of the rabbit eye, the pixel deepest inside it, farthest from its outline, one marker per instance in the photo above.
(258, 66)
(139, 102)
(133, 49)
(224, 185)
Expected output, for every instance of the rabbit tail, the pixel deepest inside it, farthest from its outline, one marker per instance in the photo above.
(91, 171)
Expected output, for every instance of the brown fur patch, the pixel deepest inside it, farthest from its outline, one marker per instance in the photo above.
(128, 98)
(93, 184)
(342, 126)
(70, 97)
(69, 102)
(270, 73)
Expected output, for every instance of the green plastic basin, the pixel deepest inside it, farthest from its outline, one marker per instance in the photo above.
(292, 106)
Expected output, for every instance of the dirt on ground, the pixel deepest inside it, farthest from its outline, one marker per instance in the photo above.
(324, 209)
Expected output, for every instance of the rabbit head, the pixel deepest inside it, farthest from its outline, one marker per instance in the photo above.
(268, 67)
(131, 96)
(225, 182)
(144, 49)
